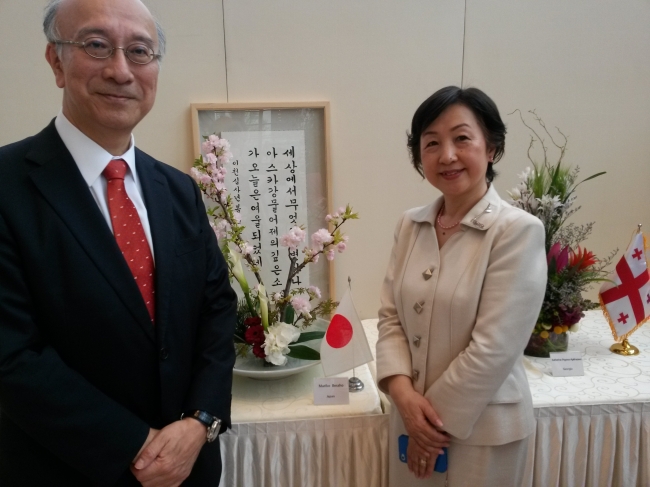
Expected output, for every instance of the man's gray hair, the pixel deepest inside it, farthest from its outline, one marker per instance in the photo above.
(52, 32)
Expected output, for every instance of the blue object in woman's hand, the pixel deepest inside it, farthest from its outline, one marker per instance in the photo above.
(441, 460)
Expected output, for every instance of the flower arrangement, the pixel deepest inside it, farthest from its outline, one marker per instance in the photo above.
(272, 327)
(548, 192)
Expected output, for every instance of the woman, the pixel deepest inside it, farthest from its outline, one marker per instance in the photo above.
(462, 293)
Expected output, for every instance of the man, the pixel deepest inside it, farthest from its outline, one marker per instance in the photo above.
(116, 314)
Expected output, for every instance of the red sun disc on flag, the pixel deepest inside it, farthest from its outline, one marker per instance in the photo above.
(339, 333)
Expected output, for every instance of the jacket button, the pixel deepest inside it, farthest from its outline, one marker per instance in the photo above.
(416, 374)
(164, 354)
(428, 273)
(418, 307)
(416, 340)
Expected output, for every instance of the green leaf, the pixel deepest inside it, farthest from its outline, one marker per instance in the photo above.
(310, 335)
(288, 315)
(303, 352)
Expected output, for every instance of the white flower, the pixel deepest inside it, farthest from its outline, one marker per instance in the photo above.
(525, 174)
(515, 194)
(550, 203)
(234, 256)
(276, 344)
(264, 305)
(315, 291)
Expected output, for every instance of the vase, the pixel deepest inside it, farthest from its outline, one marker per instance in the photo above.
(540, 346)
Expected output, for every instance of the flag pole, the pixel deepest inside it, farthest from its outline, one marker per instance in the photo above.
(354, 383)
(626, 348)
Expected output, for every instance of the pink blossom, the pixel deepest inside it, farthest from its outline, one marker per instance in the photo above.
(341, 247)
(330, 255)
(301, 305)
(341, 210)
(214, 140)
(237, 216)
(328, 218)
(199, 176)
(315, 258)
(207, 147)
(222, 229)
(246, 248)
(292, 239)
(196, 174)
(315, 291)
(335, 215)
(321, 238)
(211, 159)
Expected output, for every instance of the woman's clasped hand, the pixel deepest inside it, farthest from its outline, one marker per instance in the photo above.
(424, 428)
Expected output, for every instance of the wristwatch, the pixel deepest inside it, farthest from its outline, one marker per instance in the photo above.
(211, 422)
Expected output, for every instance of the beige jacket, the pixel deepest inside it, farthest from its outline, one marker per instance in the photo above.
(460, 333)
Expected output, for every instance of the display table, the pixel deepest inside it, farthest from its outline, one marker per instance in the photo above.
(592, 430)
(280, 438)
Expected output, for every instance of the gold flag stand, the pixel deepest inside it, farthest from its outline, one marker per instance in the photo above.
(624, 348)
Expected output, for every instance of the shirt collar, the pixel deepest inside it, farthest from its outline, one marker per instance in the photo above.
(90, 157)
(480, 217)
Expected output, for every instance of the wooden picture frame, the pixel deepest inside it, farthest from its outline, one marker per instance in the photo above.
(256, 129)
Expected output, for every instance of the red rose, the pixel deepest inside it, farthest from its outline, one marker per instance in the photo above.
(255, 334)
(258, 351)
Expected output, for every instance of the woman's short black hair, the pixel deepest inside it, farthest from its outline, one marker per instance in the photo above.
(481, 105)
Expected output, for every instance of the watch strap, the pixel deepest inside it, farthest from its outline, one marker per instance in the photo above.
(212, 423)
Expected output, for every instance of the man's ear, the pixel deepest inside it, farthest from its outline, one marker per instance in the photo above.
(55, 63)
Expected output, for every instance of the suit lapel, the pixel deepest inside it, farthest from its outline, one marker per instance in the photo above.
(58, 179)
(157, 199)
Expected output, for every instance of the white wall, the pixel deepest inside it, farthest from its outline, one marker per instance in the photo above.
(584, 65)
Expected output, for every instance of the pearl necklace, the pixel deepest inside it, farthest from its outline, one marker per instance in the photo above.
(442, 227)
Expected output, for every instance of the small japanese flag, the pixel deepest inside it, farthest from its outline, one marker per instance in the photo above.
(626, 300)
(345, 344)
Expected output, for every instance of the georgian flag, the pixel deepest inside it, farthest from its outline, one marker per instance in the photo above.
(626, 301)
(345, 344)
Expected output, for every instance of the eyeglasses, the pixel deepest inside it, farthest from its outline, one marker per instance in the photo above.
(100, 48)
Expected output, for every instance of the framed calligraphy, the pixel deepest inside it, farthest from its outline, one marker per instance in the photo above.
(278, 178)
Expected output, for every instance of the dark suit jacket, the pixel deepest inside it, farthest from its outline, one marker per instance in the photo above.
(83, 374)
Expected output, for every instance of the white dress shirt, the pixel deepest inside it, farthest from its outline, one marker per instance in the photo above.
(92, 159)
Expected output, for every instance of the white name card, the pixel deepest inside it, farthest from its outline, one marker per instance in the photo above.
(565, 364)
(331, 390)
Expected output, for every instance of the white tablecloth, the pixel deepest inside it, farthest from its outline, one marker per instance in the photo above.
(280, 438)
(592, 430)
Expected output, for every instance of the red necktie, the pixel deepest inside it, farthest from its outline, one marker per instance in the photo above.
(129, 233)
